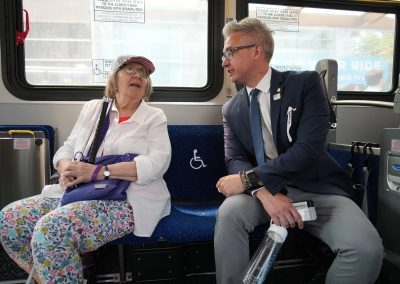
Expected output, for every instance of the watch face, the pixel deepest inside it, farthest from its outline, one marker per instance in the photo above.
(106, 172)
(255, 182)
(251, 176)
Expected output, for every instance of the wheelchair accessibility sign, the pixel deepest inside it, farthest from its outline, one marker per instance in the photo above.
(101, 68)
(196, 162)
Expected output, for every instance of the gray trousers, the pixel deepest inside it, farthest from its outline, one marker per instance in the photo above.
(340, 224)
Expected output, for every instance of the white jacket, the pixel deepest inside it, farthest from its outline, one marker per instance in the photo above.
(144, 133)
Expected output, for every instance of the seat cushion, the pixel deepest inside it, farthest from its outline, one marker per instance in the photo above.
(188, 222)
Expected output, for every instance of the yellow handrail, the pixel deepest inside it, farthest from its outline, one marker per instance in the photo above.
(15, 131)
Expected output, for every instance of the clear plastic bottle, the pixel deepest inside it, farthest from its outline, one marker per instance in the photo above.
(264, 257)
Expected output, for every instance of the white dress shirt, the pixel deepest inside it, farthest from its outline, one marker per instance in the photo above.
(264, 100)
(144, 133)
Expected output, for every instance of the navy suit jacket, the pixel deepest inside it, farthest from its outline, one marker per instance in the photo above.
(303, 159)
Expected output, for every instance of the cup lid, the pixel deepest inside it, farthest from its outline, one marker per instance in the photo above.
(281, 231)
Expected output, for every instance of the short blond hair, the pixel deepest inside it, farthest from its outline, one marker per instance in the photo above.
(256, 30)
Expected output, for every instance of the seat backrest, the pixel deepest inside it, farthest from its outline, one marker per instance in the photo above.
(197, 162)
(328, 70)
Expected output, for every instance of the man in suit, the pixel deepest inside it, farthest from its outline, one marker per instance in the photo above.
(290, 164)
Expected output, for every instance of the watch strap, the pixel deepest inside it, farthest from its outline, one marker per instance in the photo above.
(106, 170)
(250, 186)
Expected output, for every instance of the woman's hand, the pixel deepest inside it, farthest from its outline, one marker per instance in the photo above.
(62, 165)
(76, 172)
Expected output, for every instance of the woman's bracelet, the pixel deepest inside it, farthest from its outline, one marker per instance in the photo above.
(95, 173)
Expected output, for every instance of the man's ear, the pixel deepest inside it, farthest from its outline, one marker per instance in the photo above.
(258, 50)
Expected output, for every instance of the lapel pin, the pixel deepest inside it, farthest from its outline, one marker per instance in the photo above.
(277, 96)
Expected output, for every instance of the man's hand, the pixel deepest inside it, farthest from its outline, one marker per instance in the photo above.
(279, 207)
(230, 185)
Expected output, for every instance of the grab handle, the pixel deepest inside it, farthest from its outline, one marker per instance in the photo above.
(11, 132)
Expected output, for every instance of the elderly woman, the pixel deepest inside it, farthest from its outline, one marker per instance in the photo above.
(34, 231)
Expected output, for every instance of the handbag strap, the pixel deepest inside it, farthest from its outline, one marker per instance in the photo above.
(101, 130)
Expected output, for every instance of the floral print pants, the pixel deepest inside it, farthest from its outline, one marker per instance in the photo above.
(35, 230)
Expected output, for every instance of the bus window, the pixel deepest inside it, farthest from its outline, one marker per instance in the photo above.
(76, 48)
(362, 42)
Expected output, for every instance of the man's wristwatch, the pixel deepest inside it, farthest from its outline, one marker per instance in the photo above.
(106, 172)
(253, 180)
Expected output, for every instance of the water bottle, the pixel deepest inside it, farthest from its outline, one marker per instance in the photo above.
(266, 253)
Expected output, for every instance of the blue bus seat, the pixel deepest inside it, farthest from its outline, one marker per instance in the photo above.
(196, 165)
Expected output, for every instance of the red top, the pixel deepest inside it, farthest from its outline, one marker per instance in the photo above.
(123, 118)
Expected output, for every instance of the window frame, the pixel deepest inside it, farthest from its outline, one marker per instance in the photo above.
(370, 6)
(13, 64)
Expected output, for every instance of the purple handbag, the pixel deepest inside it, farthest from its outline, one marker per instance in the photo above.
(111, 189)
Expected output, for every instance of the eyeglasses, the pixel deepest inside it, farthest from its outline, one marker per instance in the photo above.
(228, 54)
(135, 71)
